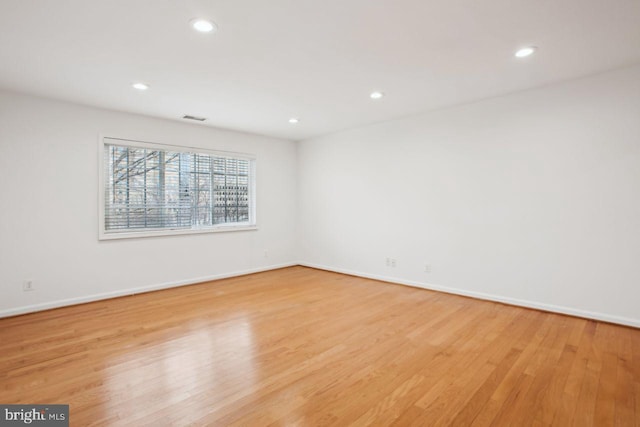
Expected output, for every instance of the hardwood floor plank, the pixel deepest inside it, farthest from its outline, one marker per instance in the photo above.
(624, 380)
(305, 347)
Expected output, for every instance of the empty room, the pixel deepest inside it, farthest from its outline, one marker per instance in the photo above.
(320, 213)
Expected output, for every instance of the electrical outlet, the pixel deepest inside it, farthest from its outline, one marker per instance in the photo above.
(266, 254)
(393, 262)
(427, 268)
(27, 286)
(388, 262)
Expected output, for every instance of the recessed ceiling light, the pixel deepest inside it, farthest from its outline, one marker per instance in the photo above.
(525, 51)
(140, 86)
(203, 25)
(294, 120)
(376, 95)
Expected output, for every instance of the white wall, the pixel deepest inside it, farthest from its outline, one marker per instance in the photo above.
(531, 198)
(49, 208)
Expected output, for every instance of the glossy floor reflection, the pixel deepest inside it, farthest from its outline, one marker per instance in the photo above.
(304, 347)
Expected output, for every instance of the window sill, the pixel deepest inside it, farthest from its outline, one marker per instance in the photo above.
(173, 232)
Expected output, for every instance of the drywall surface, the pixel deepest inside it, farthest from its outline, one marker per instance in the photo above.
(49, 208)
(531, 198)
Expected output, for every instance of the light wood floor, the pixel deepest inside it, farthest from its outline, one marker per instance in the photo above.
(303, 347)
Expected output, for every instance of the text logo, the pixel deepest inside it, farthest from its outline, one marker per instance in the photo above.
(34, 415)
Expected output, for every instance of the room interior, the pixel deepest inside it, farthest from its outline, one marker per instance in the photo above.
(441, 221)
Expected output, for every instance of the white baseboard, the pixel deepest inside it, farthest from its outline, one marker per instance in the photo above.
(488, 297)
(479, 295)
(132, 291)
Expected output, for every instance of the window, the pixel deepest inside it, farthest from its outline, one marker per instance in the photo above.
(151, 189)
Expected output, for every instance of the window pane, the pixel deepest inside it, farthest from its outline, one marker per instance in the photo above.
(231, 190)
(157, 189)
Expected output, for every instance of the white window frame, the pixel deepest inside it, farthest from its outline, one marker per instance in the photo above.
(106, 235)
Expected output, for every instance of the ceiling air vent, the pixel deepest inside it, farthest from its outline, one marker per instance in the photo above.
(188, 117)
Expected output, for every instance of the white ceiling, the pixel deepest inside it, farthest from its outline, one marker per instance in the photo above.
(317, 60)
